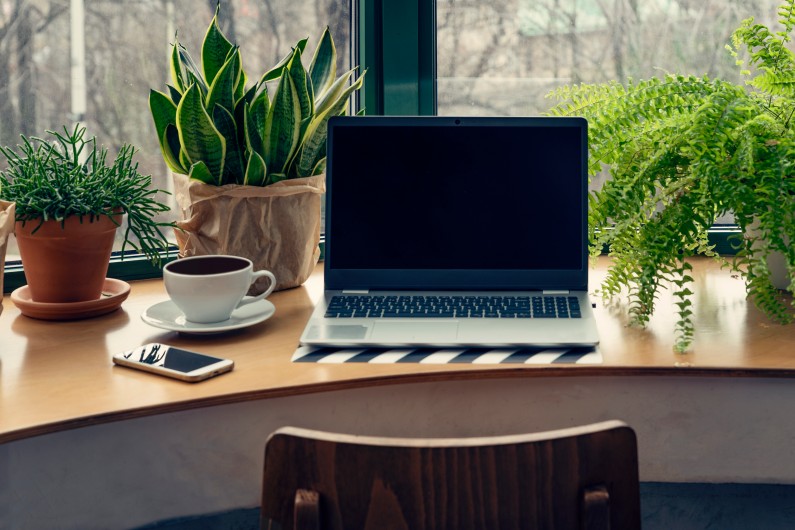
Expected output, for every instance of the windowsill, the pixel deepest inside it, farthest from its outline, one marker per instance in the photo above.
(137, 267)
(132, 267)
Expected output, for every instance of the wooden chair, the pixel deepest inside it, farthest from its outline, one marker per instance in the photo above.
(579, 478)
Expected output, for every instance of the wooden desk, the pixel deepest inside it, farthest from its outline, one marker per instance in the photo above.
(56, 377)
(52, 373)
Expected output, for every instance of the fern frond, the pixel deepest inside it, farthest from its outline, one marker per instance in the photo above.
(767, 50)
(786, 17)
(777, 84)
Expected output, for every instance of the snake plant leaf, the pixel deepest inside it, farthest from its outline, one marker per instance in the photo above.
(314, 145)
(259, 111)
(240, 88)
(175, 95)
(256, 170)
(164, 114)
(251, 132)
(273, 178)
(320, 167)
(198, 135)
(192, 72)
(164, 111)
(282, 125)
(276, 71)
(177, 69)
(234, 167)
(247, 97)
(169, 145)
(298, 73)
(222, 91)
(215, 49)
(240, 116)
(199, 171)
(183, 157)
(333, 94)
(323, 68)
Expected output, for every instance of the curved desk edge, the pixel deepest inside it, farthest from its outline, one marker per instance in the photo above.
(400, 379)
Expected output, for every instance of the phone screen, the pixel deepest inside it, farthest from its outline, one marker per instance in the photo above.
(170, 357)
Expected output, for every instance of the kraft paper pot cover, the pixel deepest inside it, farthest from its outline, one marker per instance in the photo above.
(277, 227)
(6, 229)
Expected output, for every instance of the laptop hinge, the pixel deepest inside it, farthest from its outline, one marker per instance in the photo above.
(555, 291)
(355, 291)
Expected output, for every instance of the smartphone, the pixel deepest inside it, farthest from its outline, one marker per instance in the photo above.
(173, 362)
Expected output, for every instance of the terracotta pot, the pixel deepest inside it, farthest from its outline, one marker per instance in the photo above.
(69, 263)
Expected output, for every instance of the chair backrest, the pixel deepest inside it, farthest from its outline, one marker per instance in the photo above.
(579, 478)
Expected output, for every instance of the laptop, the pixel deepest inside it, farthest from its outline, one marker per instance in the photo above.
(455, 231)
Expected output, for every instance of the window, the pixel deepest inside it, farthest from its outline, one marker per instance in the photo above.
(46, 84)
(502, 57)
(463, 57)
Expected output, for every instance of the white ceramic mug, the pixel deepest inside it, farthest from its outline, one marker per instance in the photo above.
(208, 288)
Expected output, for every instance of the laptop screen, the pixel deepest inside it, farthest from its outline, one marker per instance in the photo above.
(440, 202)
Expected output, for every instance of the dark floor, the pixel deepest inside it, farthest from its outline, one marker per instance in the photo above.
(665, 506)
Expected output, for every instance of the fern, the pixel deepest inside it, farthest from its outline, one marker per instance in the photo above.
(682, 150)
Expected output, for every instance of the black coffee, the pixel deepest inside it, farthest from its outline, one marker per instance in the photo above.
(207, 265)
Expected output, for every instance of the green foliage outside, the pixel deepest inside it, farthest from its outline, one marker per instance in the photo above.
(214, 129)
(684, 150)
(72, 176)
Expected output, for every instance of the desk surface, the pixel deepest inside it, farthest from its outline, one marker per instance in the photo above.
(59, 375)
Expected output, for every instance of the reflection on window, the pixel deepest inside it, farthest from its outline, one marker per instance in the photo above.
(127, 43)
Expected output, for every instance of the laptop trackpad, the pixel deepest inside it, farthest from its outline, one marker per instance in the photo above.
(404, 332)
(337, 332)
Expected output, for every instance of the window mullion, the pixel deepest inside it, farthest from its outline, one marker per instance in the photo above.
(396, 45)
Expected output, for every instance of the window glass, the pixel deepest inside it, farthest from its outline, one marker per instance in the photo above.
(502, 57)
(127, 44)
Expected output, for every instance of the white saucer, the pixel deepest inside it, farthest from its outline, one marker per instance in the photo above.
(166, 315)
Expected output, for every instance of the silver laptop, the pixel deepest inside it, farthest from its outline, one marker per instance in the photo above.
(444, 231)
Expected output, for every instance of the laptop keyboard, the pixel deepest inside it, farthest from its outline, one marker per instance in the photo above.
(376, 306)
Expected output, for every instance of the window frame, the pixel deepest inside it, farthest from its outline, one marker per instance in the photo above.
(395, 42)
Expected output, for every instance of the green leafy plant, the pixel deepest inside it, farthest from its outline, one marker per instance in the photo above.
(72, 177)
(682, 151)
(214, 129)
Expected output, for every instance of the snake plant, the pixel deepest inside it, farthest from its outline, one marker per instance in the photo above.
(215, 129)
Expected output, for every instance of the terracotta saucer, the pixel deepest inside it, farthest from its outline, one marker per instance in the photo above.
(114, 292)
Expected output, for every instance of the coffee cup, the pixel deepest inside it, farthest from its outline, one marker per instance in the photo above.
(208, 288)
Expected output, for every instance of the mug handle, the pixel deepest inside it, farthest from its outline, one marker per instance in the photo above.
(254, 276)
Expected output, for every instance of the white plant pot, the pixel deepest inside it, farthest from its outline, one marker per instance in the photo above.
(776, 262)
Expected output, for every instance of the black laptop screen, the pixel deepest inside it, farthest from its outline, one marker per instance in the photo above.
(469, 194)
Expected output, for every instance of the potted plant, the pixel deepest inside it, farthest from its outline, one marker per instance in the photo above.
(684, 150)
(249, 165)
(70, 199)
